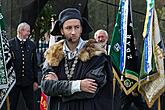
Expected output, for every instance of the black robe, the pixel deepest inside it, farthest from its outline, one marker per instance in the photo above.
(96, 66)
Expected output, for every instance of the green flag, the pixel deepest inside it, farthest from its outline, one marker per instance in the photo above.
(124, 68)
(152, 82)
(7, 74)
(3, 71)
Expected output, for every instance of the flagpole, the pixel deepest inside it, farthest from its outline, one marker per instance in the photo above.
(114, 88)
(159, 104)
(8, 103)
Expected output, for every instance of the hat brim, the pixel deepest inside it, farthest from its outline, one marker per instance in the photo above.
(85, 26)
(56, 29)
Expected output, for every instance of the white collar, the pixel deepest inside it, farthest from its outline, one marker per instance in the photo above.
(71, 54)
(21, 39)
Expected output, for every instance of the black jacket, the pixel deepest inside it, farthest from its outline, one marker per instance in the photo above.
(95, 66)
(24, 60)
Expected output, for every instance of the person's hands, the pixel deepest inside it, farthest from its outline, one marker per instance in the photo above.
(51, 76)
(35, 86)
(88, 85)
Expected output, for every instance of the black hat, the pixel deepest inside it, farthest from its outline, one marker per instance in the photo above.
(71, 13)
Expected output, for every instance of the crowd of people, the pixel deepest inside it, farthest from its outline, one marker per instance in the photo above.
(76, 73)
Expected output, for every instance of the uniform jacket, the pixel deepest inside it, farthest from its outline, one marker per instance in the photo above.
(24, 60)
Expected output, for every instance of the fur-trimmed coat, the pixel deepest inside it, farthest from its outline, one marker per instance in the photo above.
(55, 53)
(92, 63)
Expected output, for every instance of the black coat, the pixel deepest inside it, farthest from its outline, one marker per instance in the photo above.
(24, 60)
(97, 67)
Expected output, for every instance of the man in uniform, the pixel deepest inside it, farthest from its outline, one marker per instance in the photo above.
(25, 65)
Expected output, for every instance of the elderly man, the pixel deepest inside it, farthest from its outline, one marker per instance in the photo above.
(25, 65)
(76, 74)
(102, 37)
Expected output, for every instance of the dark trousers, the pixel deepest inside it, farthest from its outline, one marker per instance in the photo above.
(138, 102)
(162, 101)
(27, 93)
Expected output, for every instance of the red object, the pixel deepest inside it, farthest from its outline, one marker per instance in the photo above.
(43, 101)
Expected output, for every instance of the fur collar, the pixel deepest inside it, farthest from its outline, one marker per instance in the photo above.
(55, 53)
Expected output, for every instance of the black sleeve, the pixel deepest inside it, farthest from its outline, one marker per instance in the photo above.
(54, 87)
(35, 68)
(99, 74)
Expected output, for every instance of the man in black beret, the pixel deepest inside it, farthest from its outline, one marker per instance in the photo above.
(76, 73)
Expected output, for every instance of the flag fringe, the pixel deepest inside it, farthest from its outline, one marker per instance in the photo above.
(143, 88)
(151, 78)
(127, 92)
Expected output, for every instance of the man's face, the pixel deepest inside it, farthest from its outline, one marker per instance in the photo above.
(72, 30)
(102, 38)
(24, 33)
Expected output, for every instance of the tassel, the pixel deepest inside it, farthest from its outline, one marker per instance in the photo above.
(148, 78)
(122, 79)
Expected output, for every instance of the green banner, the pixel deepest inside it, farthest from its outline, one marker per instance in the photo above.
(128, 80)
(7, 75)
(3, 71)
(152, 84)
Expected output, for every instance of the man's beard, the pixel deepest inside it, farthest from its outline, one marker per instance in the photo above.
(103, 43)
(69, 39)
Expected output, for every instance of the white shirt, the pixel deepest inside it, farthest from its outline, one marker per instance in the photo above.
(75, 83)
(71, 54)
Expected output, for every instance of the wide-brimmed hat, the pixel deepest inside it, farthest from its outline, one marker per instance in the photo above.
(71, 13)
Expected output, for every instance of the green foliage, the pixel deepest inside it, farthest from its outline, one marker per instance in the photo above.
(43, 22)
